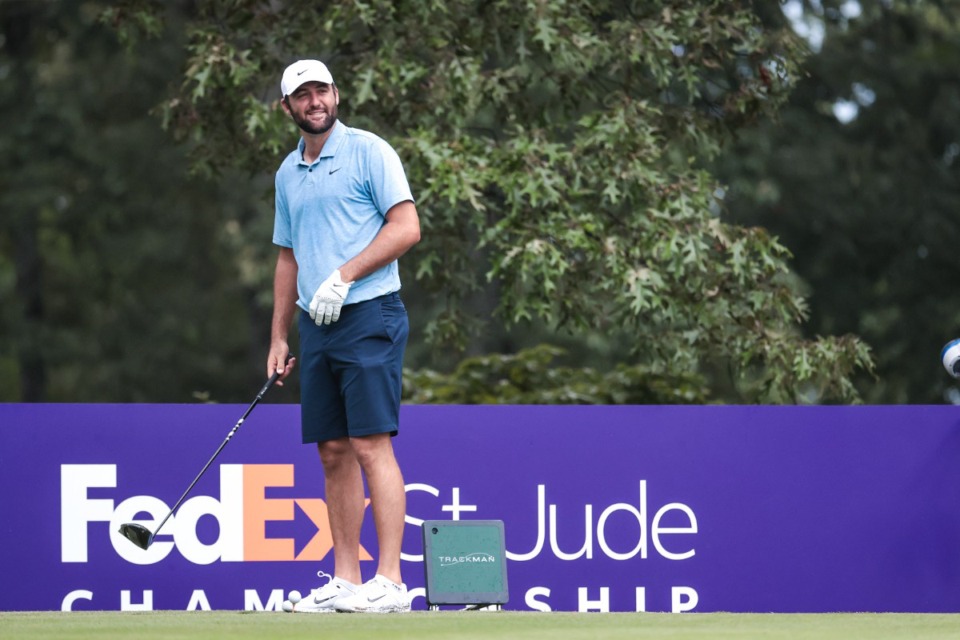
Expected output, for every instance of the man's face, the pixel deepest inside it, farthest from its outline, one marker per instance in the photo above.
(313, 106)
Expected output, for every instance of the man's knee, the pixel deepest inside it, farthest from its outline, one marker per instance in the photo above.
(372, 449)
(334, 453)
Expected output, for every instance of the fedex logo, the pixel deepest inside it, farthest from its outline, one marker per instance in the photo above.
(242, 513)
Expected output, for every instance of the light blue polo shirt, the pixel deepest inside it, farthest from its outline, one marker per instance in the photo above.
(329, 211)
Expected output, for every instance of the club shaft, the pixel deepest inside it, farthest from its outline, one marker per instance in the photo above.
(223, 444)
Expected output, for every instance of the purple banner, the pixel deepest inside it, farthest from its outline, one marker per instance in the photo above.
(652, 508)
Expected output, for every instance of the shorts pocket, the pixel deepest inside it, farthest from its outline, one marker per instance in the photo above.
(396, 325)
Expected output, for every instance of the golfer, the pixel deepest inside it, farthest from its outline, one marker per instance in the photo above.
(344, 214)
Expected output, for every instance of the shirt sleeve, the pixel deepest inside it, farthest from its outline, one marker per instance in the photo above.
(282, 235)
(388, 181)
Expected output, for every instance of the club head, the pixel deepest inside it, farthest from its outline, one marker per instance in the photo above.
(137, 534)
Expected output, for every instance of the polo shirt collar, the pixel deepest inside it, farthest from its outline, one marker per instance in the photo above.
(337, 134)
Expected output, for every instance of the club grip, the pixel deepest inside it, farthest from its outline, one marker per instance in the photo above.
(271, 380)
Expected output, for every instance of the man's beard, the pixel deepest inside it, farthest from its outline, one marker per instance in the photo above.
(310, 128)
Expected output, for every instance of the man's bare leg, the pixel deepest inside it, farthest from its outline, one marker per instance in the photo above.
(388, 499)
(345, 505)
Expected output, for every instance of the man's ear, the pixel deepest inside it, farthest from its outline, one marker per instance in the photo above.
(285, 101)
(336, 94)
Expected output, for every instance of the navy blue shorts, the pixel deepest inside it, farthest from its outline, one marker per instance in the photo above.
(351, 370)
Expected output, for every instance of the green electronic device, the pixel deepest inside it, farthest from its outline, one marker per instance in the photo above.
(465, 563)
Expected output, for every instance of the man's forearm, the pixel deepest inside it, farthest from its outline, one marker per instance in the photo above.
(284, 295)
(401, 232)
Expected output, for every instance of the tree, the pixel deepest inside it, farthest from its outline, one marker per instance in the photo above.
(113, 262)
(531, 377)
(861, 178)
(555, 148)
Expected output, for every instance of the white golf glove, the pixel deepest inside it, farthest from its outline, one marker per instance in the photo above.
(328, 299)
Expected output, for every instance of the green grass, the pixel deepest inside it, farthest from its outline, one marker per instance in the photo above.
(502, 625)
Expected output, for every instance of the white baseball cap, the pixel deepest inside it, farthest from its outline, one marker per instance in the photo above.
(304, 71)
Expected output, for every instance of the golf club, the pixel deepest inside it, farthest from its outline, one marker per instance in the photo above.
(139, 534)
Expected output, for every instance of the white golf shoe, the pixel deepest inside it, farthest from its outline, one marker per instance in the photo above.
(324, 599)
(379, 595)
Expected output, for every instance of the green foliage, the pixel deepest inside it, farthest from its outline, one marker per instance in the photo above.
(529, 377)
(114, 272)
(554, 148)
(868, 204)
